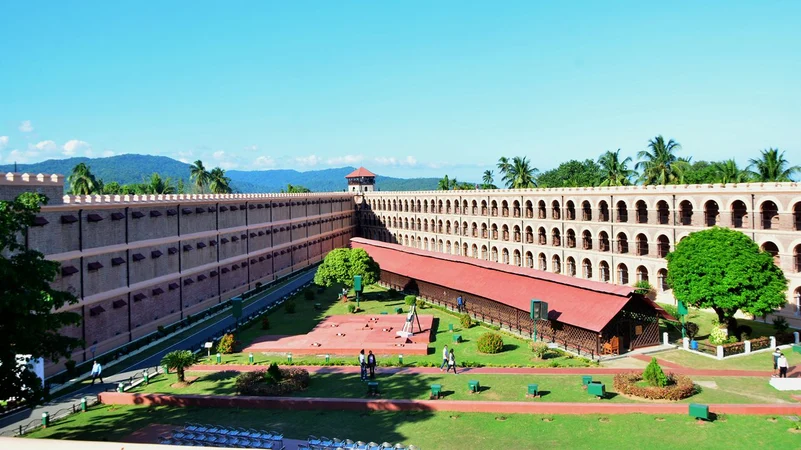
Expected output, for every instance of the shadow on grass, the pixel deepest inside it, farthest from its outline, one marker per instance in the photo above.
(509, 347)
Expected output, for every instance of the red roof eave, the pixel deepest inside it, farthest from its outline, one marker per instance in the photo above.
(360, 172)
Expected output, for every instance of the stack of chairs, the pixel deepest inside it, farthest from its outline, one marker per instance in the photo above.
(198, 435)
(324, 443)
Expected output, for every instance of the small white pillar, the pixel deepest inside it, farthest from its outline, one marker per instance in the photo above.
(796, 336)
(720, 352)
(685, 343)
(666, 341)
(773, 342)
(747, 346)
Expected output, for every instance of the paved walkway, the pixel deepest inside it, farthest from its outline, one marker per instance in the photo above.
(9, 425)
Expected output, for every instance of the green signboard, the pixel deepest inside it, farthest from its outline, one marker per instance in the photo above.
(357, 283)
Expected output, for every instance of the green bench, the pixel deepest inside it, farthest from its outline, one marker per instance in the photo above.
(450, 327)
(597, 389)
(474, 386)
(699, 411)
(436, 391)
(372, 388)
(457, 338)
(586, 380)
(533, 390)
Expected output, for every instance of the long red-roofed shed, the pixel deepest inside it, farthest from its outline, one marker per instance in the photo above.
(584, 314)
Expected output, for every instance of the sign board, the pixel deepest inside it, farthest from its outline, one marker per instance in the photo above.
(208, 344)
(357, 283)
(681, 308)
(236, 307)
(539, 310)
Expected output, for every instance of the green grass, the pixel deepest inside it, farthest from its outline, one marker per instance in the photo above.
(516, 350)
(446, 430)
(557, 388)
(706, 320)
(757, 361)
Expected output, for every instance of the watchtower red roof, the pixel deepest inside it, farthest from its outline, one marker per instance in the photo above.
(360, 172)
(582, 303)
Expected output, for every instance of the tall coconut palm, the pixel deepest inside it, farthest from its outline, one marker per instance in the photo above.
(453, 184)
(658, 164)
(615, 172)
(771, 166)
(444, 184)
(728, 172)
(503, 166)
(178, 360)
(218, 182)
(199, 176)
(519, 174)
(83, 182)
(488, 179)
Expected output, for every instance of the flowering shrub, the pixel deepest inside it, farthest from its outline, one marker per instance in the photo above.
(466, 321)
(718, 336)
(678, 387)
(490, 343)
(227, 344)
(540, 349)
(259, 383)
(410, 300)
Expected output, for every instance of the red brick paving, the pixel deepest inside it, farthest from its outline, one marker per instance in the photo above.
(353, 404)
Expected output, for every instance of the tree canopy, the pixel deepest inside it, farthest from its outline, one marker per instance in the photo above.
(572, 173)
(28, 323)
(342, 264)
(725, 270)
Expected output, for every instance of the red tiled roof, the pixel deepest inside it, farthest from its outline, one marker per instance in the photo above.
(582, 303)
(360, 172)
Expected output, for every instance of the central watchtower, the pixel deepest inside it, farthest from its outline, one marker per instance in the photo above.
(361, 180)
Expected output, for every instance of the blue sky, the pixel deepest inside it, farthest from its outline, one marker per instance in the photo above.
(403, 88)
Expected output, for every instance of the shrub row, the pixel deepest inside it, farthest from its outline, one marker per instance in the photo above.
(678, 387)
(260, 384)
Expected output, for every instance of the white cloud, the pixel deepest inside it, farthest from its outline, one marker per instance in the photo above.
(3, 142)
(345, 160)
(219, 155)
(74, 145)
(308, 161)
(107, 153)
(46, 146)
(409, 161)
(26, 126)
(264, 161)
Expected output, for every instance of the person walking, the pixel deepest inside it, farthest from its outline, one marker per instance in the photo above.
(444, 358)
(776, 354)
(363, 365)
(97, 370)
(371, 364)
(782, 363)
(452, 362)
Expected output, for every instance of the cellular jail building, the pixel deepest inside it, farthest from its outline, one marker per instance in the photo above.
(140, 262)
(612, 235)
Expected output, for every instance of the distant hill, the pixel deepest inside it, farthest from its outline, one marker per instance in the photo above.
(130, 168)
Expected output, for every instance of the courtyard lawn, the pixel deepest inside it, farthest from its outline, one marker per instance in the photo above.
(446, 430)
(555, 388)
(706, 320)
(376, 300)
(756, 361)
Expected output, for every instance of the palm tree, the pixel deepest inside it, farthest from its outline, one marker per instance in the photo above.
(659, 163)
(295, 189)
(453, 184)
(519, 174)
(504, 166)
(772, 166)
(614, 171)
(178, 360)
(728, 172)
(199, 175)
(82, 182)
(444, 184)
(158, 185)
(218, 182)
(488, 177)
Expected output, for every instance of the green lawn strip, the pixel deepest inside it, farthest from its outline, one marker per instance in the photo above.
(446, 430)
(757, 361)
(555, 388)
(516, 352)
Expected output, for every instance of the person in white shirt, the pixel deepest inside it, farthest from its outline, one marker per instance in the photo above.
(776, 354)
(97, 369)
(444, 358)
(363, 365)
(782, 363)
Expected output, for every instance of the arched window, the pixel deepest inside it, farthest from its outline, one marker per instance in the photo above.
(529, 235)
(494, 231)
(662, 284)
(494, 210)
(603, 211)
(603, 268)
(447, 227)
(642, 245)
(543, 262)
(484, 208)
(556, 264)
(425, 244)
(711, 213)
(505, 256)
(797, 258)
(475, 251)
(529, 260)
(622, 274)
(771, 248)
(541, 237)
(571, 238)
(494, 254)
(770, 215)
(505, 232)
(622, 212)
(622, 243)
(484, 253)
(475, 208)
(474, 229)
(686, 213)
(529, 209)
(642, 274)
(739, 214)
(603, 241)
(541, 209)
(406, 240)
(556, 238)
(484, 231)
(440, 209)
(440, 246)
(571, 266)
(447, 207)
(586, 240)
(516, 209)
(439, 227)
(448, 247)
(517, 234)
(406, 205)
(662, 213)
(586, 211)
(505, 208)
(570, 210)
(517, 258)
(662, 246)
(797, 217)
(642, 212)
(586, 269)
(797, 301)
(556, 213)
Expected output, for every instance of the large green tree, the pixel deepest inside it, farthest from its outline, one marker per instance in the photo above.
(614, 171)
(83, 182)
(659, 164)
(725, 270)
(342, 264)
(572, 173)
(179, 360)
(518, 173)
(771, 166)
(295, 189)
(728, 172)
(28, 323)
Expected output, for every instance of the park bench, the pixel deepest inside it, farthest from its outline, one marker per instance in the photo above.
(586, 380)
(533, 391)
(474, 386)
(597, 389)
(436, 391)
(699, 411)
(457, 338)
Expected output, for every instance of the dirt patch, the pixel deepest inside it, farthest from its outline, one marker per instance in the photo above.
(794, 430)
(182, 384)
(149, 434)
(604, 420)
